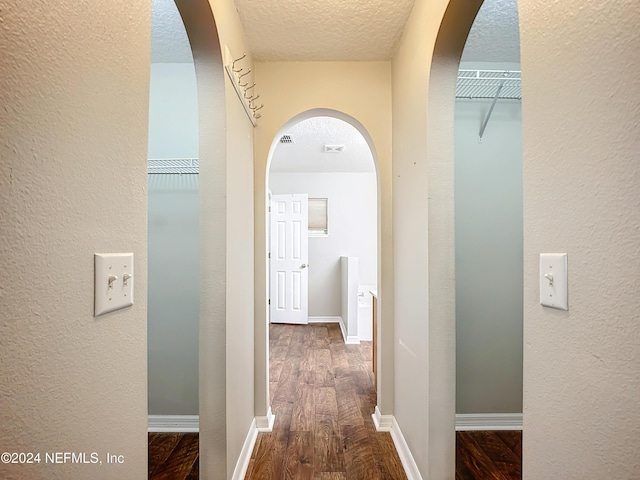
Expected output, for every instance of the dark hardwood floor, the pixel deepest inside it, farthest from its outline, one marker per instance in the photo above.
(322, 395)
(495, 455)
(173, 456)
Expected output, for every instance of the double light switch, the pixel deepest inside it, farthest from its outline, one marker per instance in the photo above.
(113, 282)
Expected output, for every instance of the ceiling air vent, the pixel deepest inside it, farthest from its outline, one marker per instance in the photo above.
(286, 139)
(333, 148)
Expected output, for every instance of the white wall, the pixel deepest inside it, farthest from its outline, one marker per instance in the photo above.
(488, 222)
(73, 147)
(352, 217)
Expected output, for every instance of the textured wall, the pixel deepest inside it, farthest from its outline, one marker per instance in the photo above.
(73, 143)
(582, 196)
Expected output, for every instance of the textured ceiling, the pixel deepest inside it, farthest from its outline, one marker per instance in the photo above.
(305, 30)
(323, 30)
(495, 35)
(169, 42)
(299, 30)
(310, 136)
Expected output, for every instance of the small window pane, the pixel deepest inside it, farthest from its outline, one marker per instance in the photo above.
(318, 216)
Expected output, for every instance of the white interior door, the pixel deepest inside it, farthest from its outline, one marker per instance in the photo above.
(289, 282)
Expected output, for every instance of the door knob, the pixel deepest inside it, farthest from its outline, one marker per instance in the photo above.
(304, 265)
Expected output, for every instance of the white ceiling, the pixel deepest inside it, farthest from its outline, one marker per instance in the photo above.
(306, 153)
(306, 30)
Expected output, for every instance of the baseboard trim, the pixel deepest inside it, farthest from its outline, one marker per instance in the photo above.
(488, 421)
(245, 454)
(387, 423)
(383, 423)
(325, 320)
(348, 339)
(265, 423)
(409, 464)
(173, 423)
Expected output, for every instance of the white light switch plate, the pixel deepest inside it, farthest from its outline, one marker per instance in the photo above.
(113, 281)
(553, 280)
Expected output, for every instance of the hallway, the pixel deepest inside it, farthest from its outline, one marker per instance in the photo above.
(322, 395)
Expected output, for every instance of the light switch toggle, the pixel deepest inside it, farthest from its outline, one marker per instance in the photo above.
(113, 282)
(553, 280)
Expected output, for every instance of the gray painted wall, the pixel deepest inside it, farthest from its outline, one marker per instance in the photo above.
(488, 210)
(173, 300)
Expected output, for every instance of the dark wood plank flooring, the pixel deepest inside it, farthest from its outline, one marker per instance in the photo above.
(322, 395)
(173, 456)
(495, 455)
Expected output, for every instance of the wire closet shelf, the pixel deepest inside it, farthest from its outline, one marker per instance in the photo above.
(489, 85)
(173, 165)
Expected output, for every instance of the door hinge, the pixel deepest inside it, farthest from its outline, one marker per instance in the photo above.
(269, 209)
(269, 254)
(269, 301)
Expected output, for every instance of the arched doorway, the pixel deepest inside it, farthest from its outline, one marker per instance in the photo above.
(355, 124)
(452, 36)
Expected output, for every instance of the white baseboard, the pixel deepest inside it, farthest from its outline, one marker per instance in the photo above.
(325, 320)
(383, 423)
(409, 464)
(488, 421)
(173, 423)
(348, 339)
(387, 423)
(481, 421)
(245, 454)
(265, 423)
